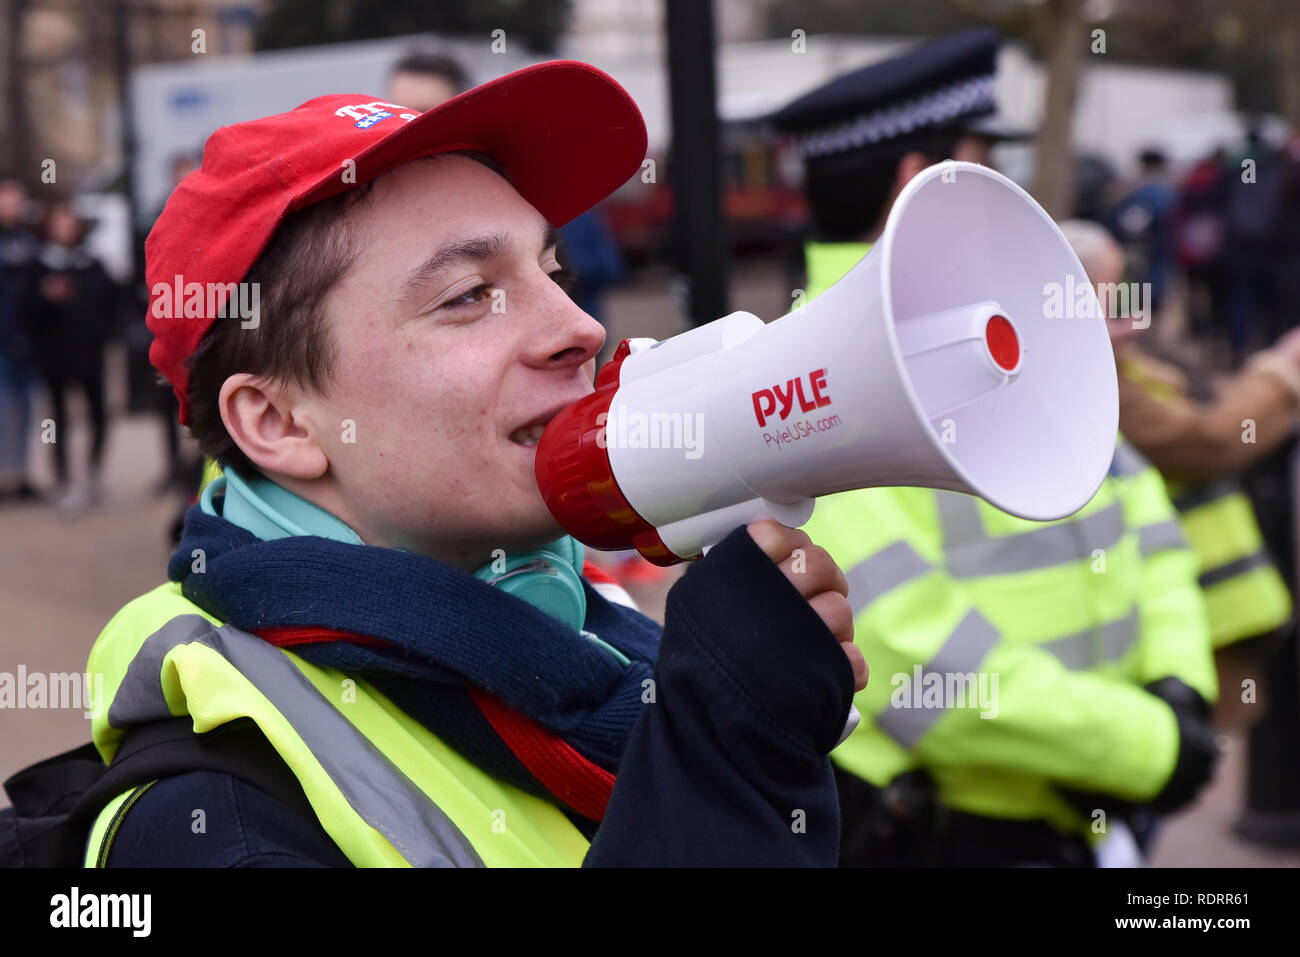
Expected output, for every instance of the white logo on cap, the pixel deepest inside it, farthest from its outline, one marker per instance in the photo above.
(374, 112)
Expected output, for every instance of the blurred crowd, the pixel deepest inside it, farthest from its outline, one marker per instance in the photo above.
(1224, 227)
(58, 312)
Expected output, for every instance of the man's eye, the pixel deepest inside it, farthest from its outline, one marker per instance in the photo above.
(566, 279)
(473, 296)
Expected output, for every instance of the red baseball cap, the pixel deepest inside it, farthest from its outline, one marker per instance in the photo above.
(567, 134)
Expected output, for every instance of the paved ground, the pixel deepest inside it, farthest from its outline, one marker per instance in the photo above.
(61, 578)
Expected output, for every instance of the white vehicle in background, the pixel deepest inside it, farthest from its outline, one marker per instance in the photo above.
(178, 105)
(109, 239)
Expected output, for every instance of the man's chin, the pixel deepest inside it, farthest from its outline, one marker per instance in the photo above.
(525, 528)
(535, 521)
(542, 533)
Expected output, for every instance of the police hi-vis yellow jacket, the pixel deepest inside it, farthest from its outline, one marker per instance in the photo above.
(163, 656)
(1007, 656)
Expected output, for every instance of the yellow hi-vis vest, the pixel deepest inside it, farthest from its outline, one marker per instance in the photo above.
(1007, 656)
(1245, 595)
(211, 470)
(387, 791)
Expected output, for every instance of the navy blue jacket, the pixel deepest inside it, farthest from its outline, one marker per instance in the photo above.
(18, 248)
(728, 766)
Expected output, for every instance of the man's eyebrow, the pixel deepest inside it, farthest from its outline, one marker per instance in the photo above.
(474, 249)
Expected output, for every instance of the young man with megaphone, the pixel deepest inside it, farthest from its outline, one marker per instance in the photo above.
(376, 646)
(1089, 633)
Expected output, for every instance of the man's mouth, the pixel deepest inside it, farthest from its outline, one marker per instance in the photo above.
(529, 435)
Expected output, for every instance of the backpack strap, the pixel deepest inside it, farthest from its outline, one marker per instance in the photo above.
(104, 830)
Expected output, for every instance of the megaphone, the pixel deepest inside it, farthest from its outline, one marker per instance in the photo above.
(945, 358)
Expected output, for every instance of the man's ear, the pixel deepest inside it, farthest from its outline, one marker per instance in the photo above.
(263, 419)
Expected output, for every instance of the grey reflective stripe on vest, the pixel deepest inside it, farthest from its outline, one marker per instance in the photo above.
(1086, 649)
(1205, 494)
(966, 646)
(380, 793)
(1128, 461)
(1238, 566)
(972, 553)
(893, 565)
(1160, 535)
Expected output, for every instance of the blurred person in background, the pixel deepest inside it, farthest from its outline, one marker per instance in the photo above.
(1181, 436)
(593, 255)
(1200, 232)
(1200, 446)
(1094, 180)
(1144, 222)
(18, 247)
(1254, 185)
(422, 81)
(72, 322)
(1288, 253)
(1105, 679)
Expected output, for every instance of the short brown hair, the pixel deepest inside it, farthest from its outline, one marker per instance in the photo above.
(304, 260)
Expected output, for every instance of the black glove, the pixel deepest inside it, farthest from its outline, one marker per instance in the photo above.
(886, 827)
(1197, 748)
(1173, 692)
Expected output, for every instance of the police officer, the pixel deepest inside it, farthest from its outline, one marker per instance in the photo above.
(1086, 638)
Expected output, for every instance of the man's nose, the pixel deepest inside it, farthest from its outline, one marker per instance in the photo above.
(566, 336)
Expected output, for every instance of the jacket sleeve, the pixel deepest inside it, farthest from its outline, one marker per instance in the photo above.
(1204, 440)
(1081, 728)
(727, 764)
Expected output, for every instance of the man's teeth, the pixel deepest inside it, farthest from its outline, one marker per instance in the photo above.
(527, 436)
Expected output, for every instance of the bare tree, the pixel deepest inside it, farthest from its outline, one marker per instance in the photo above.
(19, 128)
(1287, 45)
(1061, 31)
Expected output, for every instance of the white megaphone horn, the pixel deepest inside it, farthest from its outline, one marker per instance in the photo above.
(965, 351)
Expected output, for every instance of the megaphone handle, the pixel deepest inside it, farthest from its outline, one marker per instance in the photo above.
(855, 716)
(850, 725)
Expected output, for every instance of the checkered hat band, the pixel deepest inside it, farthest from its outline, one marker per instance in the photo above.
(971, 96)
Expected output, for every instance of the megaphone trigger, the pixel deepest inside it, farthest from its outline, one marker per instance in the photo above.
(850, 724)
